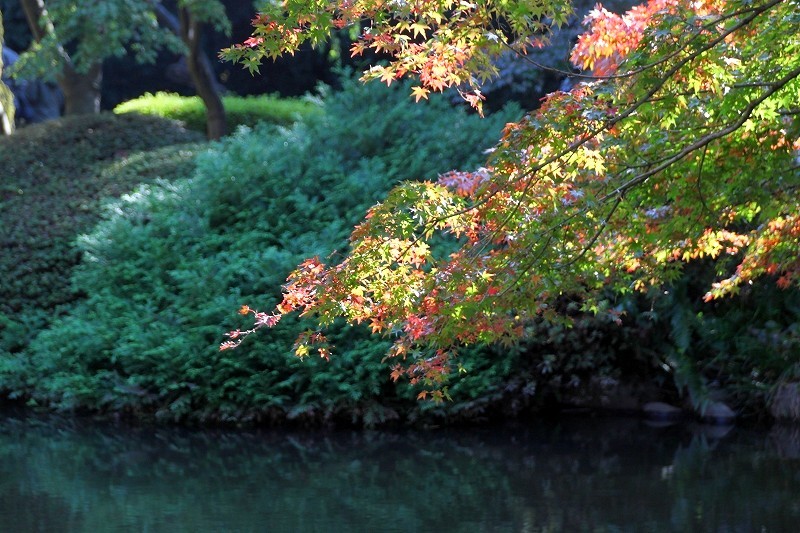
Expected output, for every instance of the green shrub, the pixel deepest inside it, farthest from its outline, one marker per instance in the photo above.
(240, 111)
(171, 262)
(54, 178)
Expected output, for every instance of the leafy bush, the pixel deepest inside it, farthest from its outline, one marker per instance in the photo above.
(54, 178)
(171, 262)
(247, 111)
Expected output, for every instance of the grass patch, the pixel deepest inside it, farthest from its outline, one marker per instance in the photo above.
(241, 111)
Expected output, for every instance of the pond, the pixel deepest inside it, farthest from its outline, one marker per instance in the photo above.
(577, 474)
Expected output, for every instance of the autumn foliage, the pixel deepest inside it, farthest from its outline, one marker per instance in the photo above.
(678, 141)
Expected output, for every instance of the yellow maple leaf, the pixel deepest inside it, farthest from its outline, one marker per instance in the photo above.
(419, 92)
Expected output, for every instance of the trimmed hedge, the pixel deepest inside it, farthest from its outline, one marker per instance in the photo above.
(240, 111)
(55, 176)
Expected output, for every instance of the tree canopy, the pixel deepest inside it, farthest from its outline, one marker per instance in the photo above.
(72, 39)
(678, 141)
(85, 33)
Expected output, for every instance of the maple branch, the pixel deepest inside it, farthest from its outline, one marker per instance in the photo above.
(618, 193)
(754, 12)
(597, 233)
(705, 140)
(639, 70)
(699, 180)
(532, 176)
(646, 98)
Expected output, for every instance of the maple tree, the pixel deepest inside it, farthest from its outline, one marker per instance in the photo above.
(679, 141)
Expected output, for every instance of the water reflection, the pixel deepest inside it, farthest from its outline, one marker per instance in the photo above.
(577, 475)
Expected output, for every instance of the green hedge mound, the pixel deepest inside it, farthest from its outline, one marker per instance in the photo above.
(55, 176)
(169, 265)
(240, 110)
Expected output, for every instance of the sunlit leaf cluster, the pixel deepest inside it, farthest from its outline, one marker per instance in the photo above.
(441, 43)
(678, 141)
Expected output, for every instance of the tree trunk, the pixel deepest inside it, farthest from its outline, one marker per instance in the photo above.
(203, 75)
(6, 98)
(81, 90)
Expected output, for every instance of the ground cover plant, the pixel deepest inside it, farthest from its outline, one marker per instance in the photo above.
(239, 110)
(170, 263)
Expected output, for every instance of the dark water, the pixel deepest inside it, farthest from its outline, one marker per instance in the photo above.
(578, 475)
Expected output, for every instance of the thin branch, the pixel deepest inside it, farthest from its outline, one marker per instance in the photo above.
(597, 234)
(699, 180)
